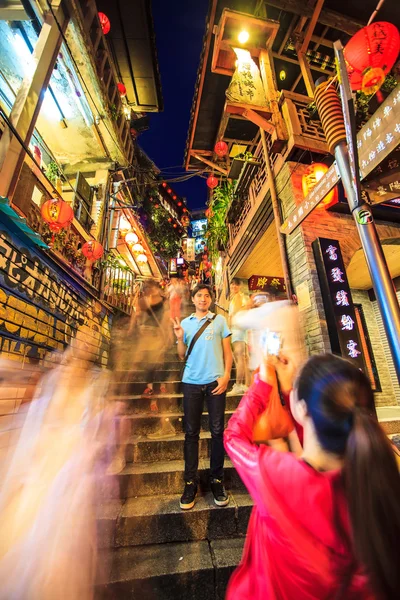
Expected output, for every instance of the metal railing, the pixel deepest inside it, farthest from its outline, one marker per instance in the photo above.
(120, 288)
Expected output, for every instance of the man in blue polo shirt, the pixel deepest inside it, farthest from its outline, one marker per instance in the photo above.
(205, 377)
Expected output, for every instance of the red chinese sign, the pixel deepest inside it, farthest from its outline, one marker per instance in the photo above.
(261, 283)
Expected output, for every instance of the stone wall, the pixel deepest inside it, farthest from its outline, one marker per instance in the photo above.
(386, 397)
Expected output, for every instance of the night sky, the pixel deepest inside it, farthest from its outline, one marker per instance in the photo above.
(179, 27)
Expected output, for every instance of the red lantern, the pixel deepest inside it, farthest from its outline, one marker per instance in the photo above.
(121, 89)
(57, 214)
(370, 55)
(312, 175)
(212, 182)
(175, 225)
(169, 191)
(92, 250)
(179, 203)
(105, 23)
(221, 148)
(173, 197)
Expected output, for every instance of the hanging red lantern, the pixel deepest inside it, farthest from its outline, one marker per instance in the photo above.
(92, 250)
(179, 203)
(121, 89)
(370, 55)
(104, 22)
(175, 225)
(57, 214)
(212, 182)
(164, 184)
(221, 148)
(312, 175)
(173, 197)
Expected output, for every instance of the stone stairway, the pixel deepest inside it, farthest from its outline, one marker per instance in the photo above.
(150, 548)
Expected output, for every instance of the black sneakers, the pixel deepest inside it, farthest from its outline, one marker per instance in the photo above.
(188, 496)
(221, 498)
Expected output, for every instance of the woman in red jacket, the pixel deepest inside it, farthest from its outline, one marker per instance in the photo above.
(325, 526)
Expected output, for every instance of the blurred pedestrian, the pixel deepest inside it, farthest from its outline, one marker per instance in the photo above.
(238, 302)
(326, 525)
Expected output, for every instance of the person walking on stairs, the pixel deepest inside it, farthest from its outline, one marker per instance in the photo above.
(238, 303)
(204, 344)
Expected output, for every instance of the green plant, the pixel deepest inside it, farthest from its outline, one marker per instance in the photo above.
(114, 112)
(52, 171)
(389, 84)
(217, 233)
(244, 156)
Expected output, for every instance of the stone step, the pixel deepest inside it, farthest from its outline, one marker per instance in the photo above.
(143, 449)
(195, 570)
(137, 388)
(159, 520)
(163, 477)
(143, 424)
(135, 404)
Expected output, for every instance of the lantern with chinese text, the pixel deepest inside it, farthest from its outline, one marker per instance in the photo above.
(221, 148)
(121, 89)
(212, 182)
(312, 175)
(141, 258)
(131, 238)
(92, 250)
(138, 248)
(57, 214)
(370, 55)
(104, 22)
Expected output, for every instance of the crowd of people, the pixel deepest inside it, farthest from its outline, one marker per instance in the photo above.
(304, 439)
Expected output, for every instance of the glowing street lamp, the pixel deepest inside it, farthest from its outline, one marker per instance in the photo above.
(243, 36)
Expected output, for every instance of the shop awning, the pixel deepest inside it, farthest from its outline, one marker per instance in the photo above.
(18, 225)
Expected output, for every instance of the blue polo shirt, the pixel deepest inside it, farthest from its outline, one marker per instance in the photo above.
(206, 361)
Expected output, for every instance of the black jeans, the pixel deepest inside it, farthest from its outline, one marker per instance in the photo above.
(193, 402)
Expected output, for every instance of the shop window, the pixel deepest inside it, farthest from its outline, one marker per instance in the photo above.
(372, 371)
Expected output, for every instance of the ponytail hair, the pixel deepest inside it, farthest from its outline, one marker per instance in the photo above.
(340, 402)
(373, 491)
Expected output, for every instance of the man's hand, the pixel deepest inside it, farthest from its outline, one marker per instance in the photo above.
(222, 385)
(178, 330)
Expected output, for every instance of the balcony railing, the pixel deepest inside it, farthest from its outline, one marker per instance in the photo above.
(304, 130)
(106, 73)
(120, 289)
(257, 190)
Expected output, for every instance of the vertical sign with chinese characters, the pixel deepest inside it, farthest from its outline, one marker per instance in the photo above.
(340, 315)
(190, 250)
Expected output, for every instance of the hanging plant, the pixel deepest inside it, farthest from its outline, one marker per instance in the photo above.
(52, 172)
(217, 233)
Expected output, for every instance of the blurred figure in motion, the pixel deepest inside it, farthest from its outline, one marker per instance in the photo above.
(152, 337)
(239, 346)
(47, 516)
(175, 292)
(326, 525)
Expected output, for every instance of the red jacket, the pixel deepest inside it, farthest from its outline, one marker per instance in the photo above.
(298, 540)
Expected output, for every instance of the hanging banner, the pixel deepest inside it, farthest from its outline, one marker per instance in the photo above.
(190, 250)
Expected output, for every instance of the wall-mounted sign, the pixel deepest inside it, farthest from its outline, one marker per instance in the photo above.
(190, 250)
(172, 266)
(375, 141)
(339, 309)
(261, 283)
(199, 227)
